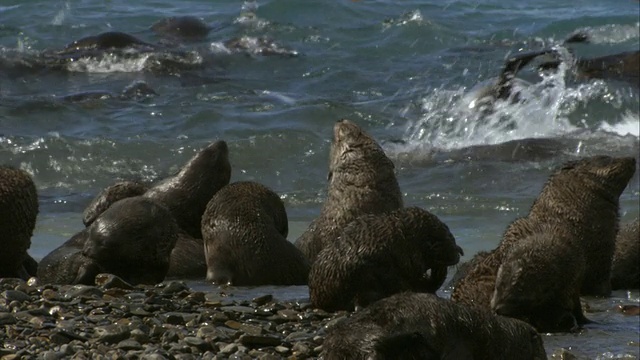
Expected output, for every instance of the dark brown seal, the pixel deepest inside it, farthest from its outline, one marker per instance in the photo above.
(245, 228)
(105, 41)
(108, 196)
(379, 255)
(625, 271)
(361, 181)
(539, 281)
(582, 197)
(423, 326)
(186, 194)
(183, 27)
(187, 256)
(132, 239)
(18, 212)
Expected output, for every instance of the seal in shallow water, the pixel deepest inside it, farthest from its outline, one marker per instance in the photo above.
(582, 198)
(423, 326)
(539, 281)
(132, 239)
(625, 271)
(379, 255)
(109, 195)
(361, 181)
(245, 228)
(18, 212)
(186, 194)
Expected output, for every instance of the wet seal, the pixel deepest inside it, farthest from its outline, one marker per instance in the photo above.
(361, 181)
(18, 213)
(379, 255)
(245, 228)
(423, 326)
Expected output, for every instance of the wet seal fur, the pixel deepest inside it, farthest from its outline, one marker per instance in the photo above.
(582, 197)
(245, 228)
(423, 326)
(361, 181)
(18, 212)
(109, 195)
(187, 194)
(625, 271)
(132, 239)
(379, 255)
(539, 281)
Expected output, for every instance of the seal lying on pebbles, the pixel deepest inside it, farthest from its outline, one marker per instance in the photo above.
(245, 228)
(582, 197)
(419, 326)
(187, 256)
(132, 239)
(539, 281)
(383, 254)
(18, 212)
(625, 272)
(361, 181)
(186, 194)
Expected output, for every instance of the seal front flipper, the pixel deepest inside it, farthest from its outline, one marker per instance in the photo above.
(87, 273)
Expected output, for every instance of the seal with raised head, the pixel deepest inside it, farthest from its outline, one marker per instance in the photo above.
(539, 281)
(625, 271)
(379, 255)
(361, 181)
(18, 212)
(582, 197)
(423, 326)
(245, 228)
(132, 239)
(187, 194)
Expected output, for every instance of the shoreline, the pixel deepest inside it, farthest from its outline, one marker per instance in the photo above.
(175, 320)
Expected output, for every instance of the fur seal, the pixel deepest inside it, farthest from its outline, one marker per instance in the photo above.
(582, 197)
(106, 41)
(539, 281)
(132, 239)
(18, 212)
(625, 271)
(187, 194)
(382, 254)
(183, 27)
(245, 227)
(108, 196)
(423, 326)
(361, 181)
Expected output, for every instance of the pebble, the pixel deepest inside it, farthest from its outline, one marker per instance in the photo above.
(119, 321)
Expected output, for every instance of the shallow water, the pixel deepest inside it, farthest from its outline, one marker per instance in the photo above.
(406, 72)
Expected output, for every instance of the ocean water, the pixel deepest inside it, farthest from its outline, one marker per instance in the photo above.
(408, 72)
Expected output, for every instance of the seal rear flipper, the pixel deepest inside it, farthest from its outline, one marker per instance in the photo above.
(87, 274)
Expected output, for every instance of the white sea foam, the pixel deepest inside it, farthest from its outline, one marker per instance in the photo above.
(109, 63)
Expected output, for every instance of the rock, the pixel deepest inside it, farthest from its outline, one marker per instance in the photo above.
(259, 341)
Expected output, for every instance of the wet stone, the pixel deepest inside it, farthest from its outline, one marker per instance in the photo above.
(112, 334)
(196, 342)
(110, 281)
(129, 344)
(84, 291)
(174, 287)
(239, 309)
(7, 319)
(14, 295)
(289, 314)
(259, 341)
(261, 300)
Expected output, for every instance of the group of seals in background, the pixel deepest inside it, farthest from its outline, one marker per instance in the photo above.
(364, 247)
(624, 67)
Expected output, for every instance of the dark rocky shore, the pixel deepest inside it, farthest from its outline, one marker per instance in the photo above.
(114, 320)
